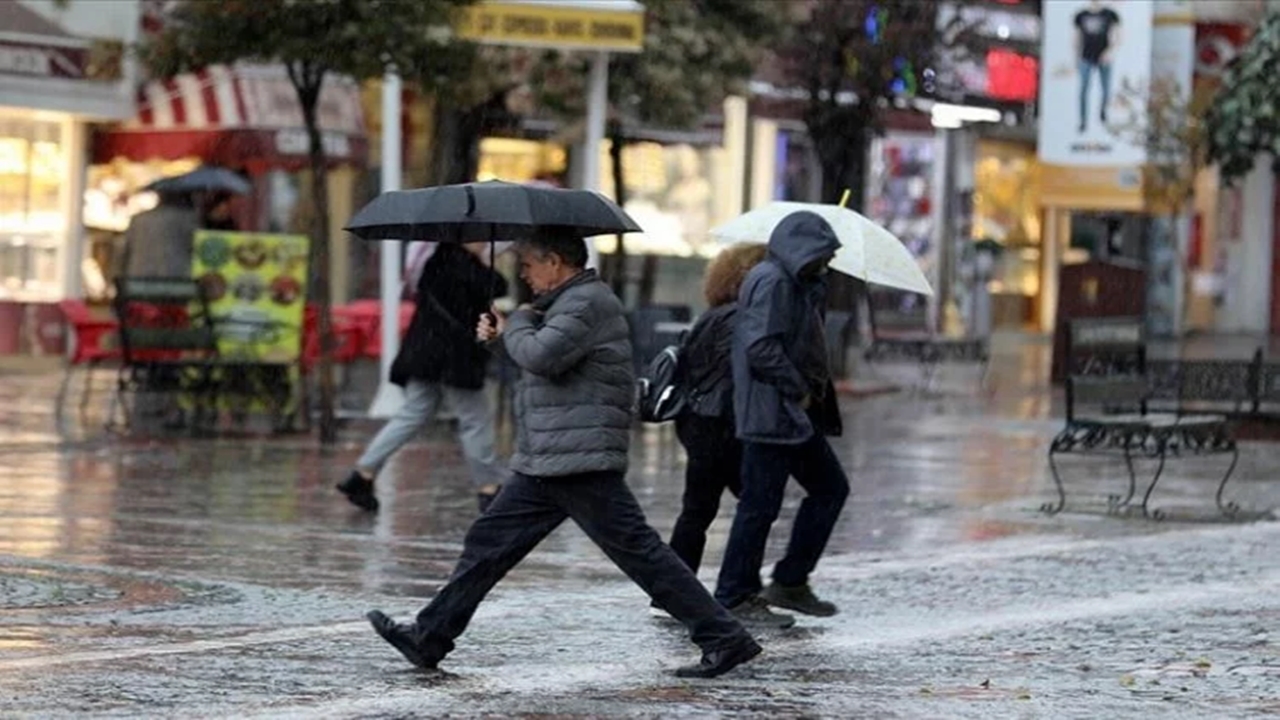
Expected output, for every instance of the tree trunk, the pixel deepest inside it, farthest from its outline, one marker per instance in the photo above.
(308, 98)
(617, 270)
(843, 157)
(456, 150)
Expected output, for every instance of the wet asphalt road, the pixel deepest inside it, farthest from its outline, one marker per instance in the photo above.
(186, 577)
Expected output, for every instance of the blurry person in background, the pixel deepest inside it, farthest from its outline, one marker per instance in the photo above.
(158, 241)
(217, 214)
(706, 428)
(440, 358)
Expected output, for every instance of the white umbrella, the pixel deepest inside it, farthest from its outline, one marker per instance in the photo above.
(867, 251)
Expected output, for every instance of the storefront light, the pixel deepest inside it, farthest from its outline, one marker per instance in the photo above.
(948, 115)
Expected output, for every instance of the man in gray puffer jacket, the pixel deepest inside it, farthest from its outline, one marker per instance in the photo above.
(573, 404)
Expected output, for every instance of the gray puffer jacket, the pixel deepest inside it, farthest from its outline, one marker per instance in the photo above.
(574, 399)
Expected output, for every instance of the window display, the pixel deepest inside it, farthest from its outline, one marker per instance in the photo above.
(33, 226)
(900, 197)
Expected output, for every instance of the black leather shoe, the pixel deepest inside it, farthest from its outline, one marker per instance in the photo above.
(401, 638)
(719, 662)
(359, 490)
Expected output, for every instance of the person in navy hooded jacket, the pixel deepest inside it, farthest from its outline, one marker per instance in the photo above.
(784, 409)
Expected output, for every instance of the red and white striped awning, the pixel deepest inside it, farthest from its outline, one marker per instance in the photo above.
(243, 116)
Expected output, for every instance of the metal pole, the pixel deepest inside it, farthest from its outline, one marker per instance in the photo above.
(389, 397)
(597, 105)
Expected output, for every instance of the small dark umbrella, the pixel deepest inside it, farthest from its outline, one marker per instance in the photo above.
(486, 212)
(207, 178)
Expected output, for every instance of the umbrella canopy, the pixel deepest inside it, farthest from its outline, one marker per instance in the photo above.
(486, 212)
(867, 251)
(203, 179)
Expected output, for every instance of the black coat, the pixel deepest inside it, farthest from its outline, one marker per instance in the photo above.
(440, 345)
(704, 363)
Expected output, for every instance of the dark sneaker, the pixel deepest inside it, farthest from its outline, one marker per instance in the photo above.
(800, 599)
(401, 638)
(719, 662)
(755, 612)
(359, 490)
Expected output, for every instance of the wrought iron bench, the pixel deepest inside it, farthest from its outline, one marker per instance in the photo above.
(1225, 387)
(167, 342)
(1107, 395)
(926, 349)
(1266, 404)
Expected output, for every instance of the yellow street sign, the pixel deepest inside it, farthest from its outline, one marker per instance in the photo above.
(611, 25)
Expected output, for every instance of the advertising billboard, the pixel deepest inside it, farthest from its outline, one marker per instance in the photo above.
(1094, 52)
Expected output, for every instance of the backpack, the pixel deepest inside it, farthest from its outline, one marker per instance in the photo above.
(660, 394)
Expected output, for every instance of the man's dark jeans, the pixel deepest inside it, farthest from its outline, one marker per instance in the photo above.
(715, 464)
(765, 468)
(526, 510)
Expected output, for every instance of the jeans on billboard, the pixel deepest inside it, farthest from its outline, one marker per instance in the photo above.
(1087, 70)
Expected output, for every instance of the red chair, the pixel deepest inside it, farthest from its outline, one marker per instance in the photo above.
(94, 340)
(348, 338)
(368, 314)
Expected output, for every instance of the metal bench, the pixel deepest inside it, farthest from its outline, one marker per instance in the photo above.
(167, 342)
(1226, 387)
(1107, 395)
(926, 349)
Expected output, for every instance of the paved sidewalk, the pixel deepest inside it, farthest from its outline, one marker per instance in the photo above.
(214, 578)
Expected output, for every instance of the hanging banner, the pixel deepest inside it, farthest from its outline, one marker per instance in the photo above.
(256, 286)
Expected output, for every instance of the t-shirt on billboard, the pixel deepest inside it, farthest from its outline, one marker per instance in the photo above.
(1092, 50)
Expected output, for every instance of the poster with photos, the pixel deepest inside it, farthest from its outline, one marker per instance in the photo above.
(256, 285)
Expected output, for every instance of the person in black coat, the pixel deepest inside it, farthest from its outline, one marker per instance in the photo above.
(705, 428)
(439, 357)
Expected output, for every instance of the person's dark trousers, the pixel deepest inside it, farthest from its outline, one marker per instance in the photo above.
(526, 511)
(765, 468)
(715, 464)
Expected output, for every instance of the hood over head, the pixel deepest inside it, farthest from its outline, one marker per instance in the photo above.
(799, 239)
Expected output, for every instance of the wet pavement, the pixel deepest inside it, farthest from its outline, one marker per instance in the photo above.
(221, 577)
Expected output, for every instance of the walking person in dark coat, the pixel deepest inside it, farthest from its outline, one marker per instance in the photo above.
(574, 409)
(706, 428)
(784, 406)
(440, 358)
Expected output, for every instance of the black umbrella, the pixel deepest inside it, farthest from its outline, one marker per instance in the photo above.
(208, 178)
(487, 211)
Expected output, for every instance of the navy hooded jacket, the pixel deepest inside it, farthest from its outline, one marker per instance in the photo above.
(777, 333)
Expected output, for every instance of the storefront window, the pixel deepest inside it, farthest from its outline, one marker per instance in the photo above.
(670, 194)
(1006, 209)
(519, 161)
(900, 198)
(33, 226)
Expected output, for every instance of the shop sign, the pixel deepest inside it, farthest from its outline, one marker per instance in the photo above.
(294, 141)
(567, 26)
(42, 61)
(1094, 54)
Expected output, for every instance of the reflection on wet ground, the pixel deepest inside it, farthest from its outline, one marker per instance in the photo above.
(225, 576)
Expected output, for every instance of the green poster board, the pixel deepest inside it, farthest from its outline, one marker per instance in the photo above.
(256, 285)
